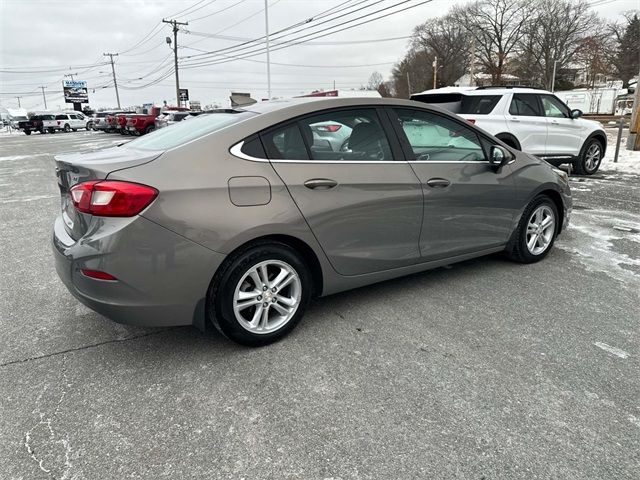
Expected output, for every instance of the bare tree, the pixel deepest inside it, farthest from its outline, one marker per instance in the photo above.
(415, 69)
(595, 54)
(375, 80)
(498, 27)
(446, 39)
(554, 33)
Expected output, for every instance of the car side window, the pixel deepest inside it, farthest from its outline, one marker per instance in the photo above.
(438, 139)
(285, 143)
(525, 104)
(61, 117)
(346, 135)
(553, 107)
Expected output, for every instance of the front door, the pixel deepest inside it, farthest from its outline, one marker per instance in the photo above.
(468, 207)
(361, 200)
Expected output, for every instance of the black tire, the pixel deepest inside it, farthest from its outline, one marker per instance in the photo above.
(74, 129)
(51, 130)
(149, 129)
(585, 164)
(220, 298)
(67, 128)
(27, 132)
(517, 249)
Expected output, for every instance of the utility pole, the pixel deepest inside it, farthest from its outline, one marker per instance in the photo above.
(19, 106)
(175, 24)
(633, 140)
(113, 70)
(44, 97)
(435, 72)
(70, 75)
(266, 24)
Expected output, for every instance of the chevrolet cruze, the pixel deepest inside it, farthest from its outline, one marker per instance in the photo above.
(239, 217)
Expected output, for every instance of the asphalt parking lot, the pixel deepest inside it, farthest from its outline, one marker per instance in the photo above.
(481, 370)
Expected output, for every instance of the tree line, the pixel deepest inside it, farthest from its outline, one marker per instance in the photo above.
(517, 37)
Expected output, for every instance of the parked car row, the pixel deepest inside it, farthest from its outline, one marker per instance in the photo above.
(134, 123)
(51, 122)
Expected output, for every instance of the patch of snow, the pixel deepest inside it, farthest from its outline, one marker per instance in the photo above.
(591, 237)
(628, 160)
(613, 350)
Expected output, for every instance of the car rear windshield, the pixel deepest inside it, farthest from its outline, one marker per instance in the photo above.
(460, 103)
(183, 132)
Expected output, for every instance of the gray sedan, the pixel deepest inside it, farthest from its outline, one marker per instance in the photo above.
(238, 218)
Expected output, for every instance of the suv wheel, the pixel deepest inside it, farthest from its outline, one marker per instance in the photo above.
(67, 128)
(149, 129)
(536, 231)
(590, 158)
(259, 295)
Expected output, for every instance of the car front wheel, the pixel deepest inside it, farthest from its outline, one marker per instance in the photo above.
(260, 294)
(590, 158)
(536, 231)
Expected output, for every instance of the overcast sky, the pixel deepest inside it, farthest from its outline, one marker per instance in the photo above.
(41, 39)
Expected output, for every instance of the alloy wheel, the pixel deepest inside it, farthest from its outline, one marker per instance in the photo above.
(540, 229)
(267, 297)
(592, 157)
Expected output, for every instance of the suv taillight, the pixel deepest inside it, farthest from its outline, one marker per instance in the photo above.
(472, 121)
(107, 198)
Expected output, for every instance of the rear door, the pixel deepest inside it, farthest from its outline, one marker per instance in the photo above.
(526, 122)
(468, 206)
(362, 201)
(564, 133)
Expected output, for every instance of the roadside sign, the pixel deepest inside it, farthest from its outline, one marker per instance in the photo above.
(75, 91)
(184, 94)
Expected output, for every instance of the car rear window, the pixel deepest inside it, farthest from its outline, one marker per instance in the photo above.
(183, 132)
(61, 117)
(479, 104)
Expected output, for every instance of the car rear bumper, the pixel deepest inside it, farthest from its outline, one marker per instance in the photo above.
(163, 278)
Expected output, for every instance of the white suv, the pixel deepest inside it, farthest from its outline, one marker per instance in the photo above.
(71, 121)
(534, 121)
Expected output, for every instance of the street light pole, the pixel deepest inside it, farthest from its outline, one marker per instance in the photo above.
(266, 24)
(553, 78)
(19, 106)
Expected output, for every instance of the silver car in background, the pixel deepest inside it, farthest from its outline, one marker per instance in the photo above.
(238, 218)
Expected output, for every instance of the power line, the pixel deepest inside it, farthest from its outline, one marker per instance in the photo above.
(294, 41)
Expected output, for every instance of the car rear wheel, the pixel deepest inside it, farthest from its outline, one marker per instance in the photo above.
(536, 231)
(149, 129)
(27, 132)
(260, 294)
(590, 158)
(67, 128)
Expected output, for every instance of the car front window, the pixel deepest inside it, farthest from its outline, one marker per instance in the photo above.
(436, 138)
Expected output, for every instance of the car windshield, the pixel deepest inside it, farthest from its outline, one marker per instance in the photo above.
(180, 133)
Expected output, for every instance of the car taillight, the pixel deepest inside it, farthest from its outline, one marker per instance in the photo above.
(98, 275)
(472, 121)
(329, 128)
(106, 198)
(58, 122)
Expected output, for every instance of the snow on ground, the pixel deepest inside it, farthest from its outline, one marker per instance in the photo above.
(596, 238)
(628, 160)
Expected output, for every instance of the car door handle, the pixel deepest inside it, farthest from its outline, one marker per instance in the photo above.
(320, 183)
(438, 182)
(513, 119)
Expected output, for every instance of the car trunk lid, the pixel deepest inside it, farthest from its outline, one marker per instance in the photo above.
(72, 169)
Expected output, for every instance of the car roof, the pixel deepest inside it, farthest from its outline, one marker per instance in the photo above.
(473, 91)
(300, 106)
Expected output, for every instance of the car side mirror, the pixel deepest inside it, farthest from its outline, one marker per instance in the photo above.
(576, 113)
(498, 156)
